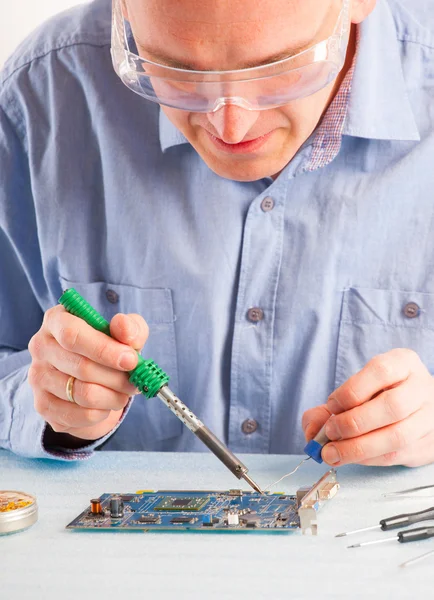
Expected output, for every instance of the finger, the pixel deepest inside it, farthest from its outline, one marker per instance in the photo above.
(382, 372)
(67, 414)
(85, 369)
(130, 329)
(88, 395)
(75, 335)
(58, 428)
(313, 419)
(377, 443)
(89, 433)
(416, 455)
(421, 453)
(391, 406)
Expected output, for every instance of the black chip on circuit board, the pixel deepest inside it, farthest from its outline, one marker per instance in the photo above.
(183, 503)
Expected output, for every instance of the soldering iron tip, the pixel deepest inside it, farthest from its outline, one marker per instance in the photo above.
(354, 546)
(252, 484)
(341, 535)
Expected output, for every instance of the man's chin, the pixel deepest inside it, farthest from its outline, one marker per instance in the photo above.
(244, 170)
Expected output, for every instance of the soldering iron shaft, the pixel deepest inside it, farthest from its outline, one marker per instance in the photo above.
(206, 436)
(152, 381)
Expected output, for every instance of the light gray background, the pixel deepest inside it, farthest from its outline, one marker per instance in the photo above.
(20, 17)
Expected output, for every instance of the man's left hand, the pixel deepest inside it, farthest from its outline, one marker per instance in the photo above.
(383, 415)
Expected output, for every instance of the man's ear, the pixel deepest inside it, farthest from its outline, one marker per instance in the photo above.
(361, 9)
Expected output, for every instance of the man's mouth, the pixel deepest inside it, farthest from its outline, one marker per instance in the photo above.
(246, 147)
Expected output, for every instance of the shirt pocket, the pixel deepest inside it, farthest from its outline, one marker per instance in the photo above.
(147, 421)
(376, 321)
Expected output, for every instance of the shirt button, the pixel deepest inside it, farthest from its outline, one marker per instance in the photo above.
(112, 296)
(255, 314)
(411, 310)
(267, 204)
(249, 426)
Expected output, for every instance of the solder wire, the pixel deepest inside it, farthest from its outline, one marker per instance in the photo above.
(287, 475)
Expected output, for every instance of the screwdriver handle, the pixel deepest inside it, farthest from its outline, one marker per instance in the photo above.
(315, 446)
(407, 519)
(415, 535)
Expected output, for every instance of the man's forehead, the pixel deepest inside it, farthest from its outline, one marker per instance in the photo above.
(239, 32)
(230, 13)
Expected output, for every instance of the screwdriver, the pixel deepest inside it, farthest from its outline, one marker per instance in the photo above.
(314, 448)
(152, 381)
(413, 535)
(395, 522)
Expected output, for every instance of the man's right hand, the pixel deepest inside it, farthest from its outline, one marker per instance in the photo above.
(67, 346)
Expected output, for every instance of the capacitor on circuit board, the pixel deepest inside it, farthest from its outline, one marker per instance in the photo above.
(116, 508)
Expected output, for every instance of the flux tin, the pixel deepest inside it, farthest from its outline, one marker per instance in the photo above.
(18, 511)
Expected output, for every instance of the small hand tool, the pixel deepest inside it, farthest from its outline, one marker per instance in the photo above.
(395, 522)
(412, 535)
(152, 381)
(410, 491)
(315, 446)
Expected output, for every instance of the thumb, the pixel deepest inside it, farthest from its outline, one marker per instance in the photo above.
(313, 419)
(130, 329)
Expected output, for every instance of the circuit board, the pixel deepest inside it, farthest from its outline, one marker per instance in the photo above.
(204, 511)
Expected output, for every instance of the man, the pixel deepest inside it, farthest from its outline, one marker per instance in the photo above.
(261, 195)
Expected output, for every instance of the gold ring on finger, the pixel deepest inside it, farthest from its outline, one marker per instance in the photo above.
(69, 386)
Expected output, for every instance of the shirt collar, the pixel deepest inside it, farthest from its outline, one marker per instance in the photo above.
(379, 107)
(169, 134)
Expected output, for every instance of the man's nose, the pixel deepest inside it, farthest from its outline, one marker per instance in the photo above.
(232, 122)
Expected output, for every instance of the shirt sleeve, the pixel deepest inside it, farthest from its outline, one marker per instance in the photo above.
(21, 282)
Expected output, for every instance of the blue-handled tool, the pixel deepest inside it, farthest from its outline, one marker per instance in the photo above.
(315, 446)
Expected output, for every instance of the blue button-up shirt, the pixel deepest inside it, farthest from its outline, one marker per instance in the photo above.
(99, 191)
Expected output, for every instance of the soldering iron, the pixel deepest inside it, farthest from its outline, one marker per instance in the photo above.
(152, 381)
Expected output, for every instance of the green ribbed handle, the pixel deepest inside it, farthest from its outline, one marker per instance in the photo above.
(147, 376)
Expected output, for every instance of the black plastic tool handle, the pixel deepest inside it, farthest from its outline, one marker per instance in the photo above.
(407, 519)
(415, 535)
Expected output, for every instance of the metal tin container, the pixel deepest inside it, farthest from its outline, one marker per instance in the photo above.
(18, 511)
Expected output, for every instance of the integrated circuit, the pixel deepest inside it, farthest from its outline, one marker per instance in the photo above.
(177, 503)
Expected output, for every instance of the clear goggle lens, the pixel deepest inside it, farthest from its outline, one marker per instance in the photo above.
(258, 88)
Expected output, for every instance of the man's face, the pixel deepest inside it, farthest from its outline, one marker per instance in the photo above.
(209, 35)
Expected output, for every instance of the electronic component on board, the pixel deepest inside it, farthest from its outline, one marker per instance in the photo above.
(233, 518)
(148, 520)
(116, 508)
(182, 504)
(95, 507)
(182, 520)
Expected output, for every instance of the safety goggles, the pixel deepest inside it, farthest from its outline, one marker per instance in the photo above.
(257, 88)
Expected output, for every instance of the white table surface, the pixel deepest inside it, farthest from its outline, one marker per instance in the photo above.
(48, 562)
